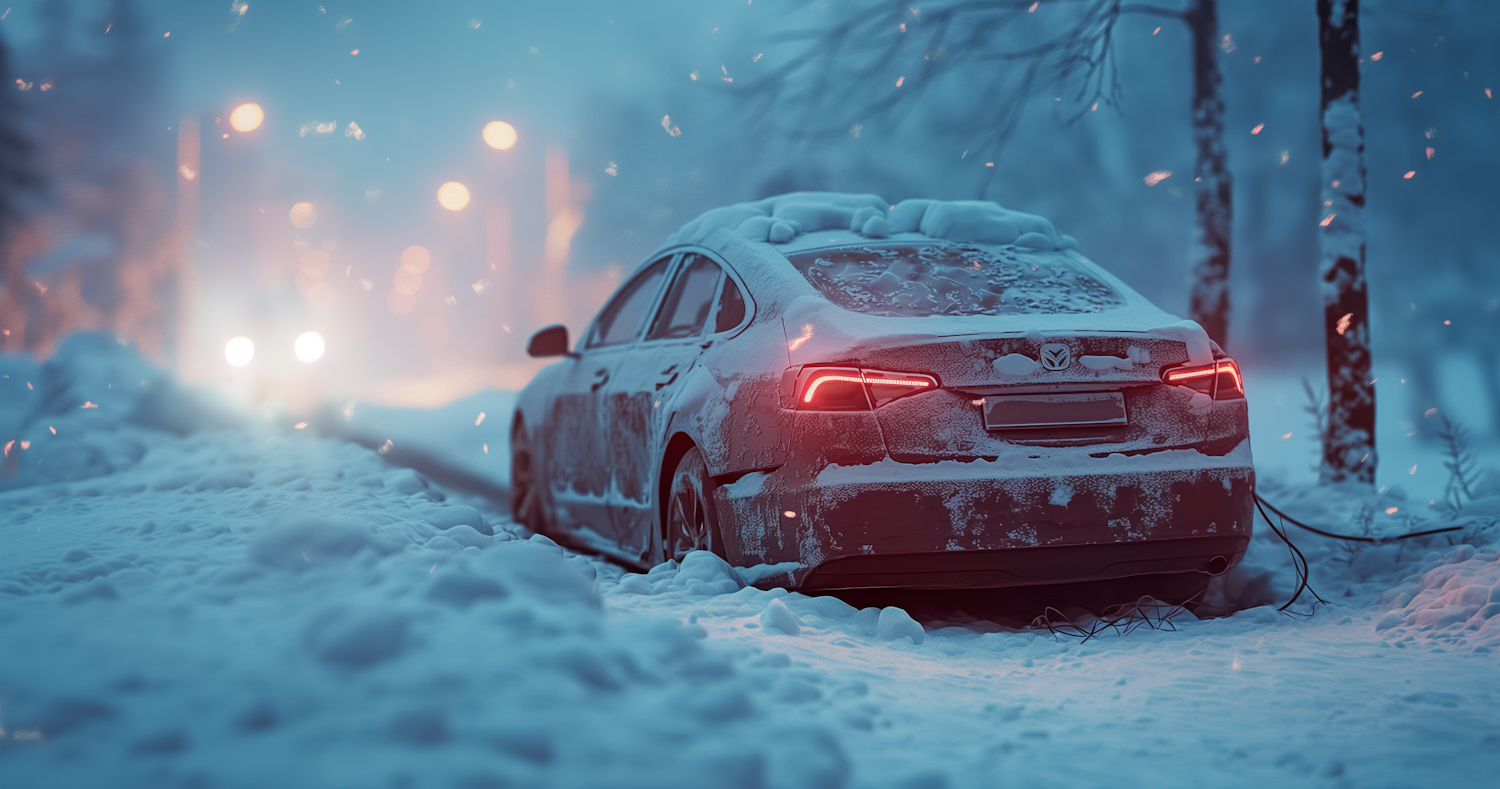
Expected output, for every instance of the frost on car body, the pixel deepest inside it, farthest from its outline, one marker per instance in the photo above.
(926, 395)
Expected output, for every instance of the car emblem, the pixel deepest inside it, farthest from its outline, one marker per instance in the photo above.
(1056, 356)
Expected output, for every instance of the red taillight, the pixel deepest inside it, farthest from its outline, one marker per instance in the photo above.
(853, 389)
(1220, 380)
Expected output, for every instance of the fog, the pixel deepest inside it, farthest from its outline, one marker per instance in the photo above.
(157, 219)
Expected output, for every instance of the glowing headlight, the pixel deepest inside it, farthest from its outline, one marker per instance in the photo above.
(309, 347)
(239, 351)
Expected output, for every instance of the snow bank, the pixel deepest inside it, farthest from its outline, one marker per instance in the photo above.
(1454, 606)
(88, 412)
(1429, 591)
(322, 620)
(266, 608)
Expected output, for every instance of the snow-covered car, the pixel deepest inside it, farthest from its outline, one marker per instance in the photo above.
(856, 395)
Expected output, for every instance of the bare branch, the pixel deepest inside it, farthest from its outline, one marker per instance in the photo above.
(879, 60)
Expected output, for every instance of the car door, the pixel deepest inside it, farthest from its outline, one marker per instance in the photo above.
(639, 396)
(579, 471)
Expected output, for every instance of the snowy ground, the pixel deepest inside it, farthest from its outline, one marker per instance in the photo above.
(191, 598)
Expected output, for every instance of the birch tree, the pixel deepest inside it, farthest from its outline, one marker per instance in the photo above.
(984, 43)
(1349, 438)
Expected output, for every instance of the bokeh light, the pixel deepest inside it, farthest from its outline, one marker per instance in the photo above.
(239, 351)
(247, 117)
(309, 347)
(399, 302)
(408, 281)
(304, 215)
(315, 261)
(415, 259)
(499, 135)
(453, 196)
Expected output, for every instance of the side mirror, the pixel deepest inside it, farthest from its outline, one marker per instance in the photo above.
(551, 341)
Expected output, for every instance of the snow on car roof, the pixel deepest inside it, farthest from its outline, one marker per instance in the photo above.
(786, 224)
(784, 218)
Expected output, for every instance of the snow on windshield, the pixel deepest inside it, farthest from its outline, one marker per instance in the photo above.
(918, 280)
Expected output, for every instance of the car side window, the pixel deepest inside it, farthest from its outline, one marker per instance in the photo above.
(686, 307)
(621, 319)
(731, 307)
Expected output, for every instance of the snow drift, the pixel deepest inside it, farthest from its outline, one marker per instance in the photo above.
(262, 607)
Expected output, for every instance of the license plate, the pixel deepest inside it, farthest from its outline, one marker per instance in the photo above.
(1071, 409)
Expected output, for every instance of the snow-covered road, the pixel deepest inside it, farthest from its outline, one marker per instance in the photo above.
(259, 606)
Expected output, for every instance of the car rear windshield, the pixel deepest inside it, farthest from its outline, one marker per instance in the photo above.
(917, 280)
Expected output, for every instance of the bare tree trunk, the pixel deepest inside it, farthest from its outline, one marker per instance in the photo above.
(1210, 251)
(1349, 441)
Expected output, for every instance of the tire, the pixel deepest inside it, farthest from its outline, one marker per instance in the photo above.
(690, 522)
(526, 485)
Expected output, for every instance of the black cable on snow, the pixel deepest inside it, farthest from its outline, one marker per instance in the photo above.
(1299, 562)
(1373, 540)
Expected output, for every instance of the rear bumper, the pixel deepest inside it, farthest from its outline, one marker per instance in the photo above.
(1048, 516)
(990, 569)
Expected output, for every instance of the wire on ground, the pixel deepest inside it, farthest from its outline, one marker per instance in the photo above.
(1350, 537)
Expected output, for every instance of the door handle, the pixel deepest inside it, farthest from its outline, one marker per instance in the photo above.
(601, 377)
(666, 377)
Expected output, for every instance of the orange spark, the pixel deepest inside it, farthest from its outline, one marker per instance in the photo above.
(900, 80)
(1257, 128)
(1409, 174)
(1152, 179)
(1327, 220)
(1343, 324)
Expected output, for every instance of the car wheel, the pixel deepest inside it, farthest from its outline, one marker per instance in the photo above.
(690, 523)
(525, 485)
